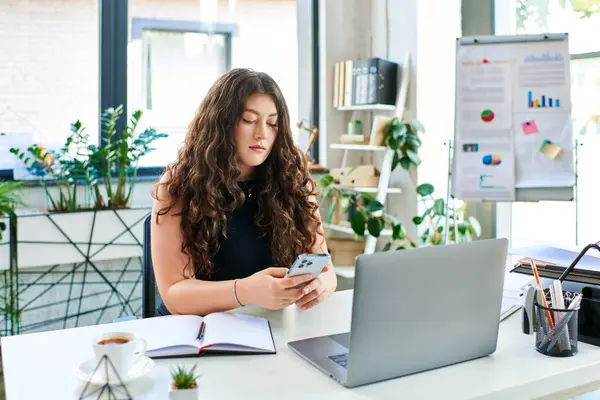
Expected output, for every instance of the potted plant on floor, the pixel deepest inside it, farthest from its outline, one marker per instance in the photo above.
(367, 216)
(184, 384)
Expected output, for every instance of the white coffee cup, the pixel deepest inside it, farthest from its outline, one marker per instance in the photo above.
(120, 348)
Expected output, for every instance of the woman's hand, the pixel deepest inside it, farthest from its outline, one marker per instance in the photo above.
(271, 289)
(318, 290)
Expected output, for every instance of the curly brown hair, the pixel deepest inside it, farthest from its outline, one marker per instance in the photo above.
(202, 181)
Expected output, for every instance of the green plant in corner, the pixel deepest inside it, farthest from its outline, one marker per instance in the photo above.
(368, 218)
(184, 379)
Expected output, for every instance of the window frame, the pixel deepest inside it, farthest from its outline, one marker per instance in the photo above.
(114, 41)
(139, 25)
(504, 21)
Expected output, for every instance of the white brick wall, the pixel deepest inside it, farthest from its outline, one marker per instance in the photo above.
(49, 56)
(48, 66)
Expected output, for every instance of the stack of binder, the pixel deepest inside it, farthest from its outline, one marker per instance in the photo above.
(365, 82)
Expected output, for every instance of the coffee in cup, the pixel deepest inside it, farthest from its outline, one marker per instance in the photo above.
(120, 348)
(114, 340)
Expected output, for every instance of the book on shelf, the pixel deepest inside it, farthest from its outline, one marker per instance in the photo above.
(364, 82)
(193, 335)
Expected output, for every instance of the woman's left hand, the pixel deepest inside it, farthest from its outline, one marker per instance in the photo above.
(318, 289)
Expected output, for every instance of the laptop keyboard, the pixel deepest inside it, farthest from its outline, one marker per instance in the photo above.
(341, 359)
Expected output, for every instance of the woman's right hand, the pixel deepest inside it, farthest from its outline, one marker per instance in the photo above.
(271, 288)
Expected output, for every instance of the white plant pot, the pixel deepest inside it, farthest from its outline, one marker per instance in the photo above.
(183, 394)
(62, 238)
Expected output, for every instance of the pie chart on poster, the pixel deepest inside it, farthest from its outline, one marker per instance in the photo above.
(491, 159)
(487, 115)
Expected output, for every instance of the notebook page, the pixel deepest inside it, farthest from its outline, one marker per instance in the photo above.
(171, 330)
(238, 329)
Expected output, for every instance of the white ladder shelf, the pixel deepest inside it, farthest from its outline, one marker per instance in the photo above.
(383, 188)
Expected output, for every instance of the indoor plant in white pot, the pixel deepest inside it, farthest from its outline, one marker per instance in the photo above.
(184, 384)
(89, 193)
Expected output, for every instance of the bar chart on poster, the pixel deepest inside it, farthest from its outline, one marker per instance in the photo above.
(513, 136)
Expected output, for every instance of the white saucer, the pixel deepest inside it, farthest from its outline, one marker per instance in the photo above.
(84, 371)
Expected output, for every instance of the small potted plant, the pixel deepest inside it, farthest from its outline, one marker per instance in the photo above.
(184, 384)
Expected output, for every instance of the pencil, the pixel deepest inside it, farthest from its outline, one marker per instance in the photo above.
(539, 283)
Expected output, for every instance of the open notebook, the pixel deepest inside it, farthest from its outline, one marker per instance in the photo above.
(177, 335)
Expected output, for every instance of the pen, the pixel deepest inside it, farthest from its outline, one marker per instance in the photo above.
(560, 303)
(201, 331)
(541, 288)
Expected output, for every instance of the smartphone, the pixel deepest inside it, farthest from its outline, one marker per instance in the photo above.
(309, 264)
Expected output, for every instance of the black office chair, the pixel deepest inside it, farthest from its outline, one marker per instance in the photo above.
(150, 295)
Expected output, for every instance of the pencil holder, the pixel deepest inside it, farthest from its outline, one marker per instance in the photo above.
(556, 329)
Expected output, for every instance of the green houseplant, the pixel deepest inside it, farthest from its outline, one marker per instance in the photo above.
(184, 383)
(403, 138)
(107, 173)
(367, 215)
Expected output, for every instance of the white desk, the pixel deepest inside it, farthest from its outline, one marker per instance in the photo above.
(41, 365)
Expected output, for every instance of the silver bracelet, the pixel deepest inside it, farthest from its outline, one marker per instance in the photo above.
(235, 294)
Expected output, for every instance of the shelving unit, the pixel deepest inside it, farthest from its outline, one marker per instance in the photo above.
(382, 190)
(347, 229)
(368, 107)
(367, 147)
(390, 190)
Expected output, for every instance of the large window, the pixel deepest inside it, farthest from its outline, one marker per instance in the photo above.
(562, 222)
(49, 75)
(176, 53)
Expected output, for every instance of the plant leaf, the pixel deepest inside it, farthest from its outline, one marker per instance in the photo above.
(417, 220)
(325, 181)
(387, 246)
(400, 248)
(399, 131)
(475, 224)
(367, 196)
(462, 228)
(374, 206)
(405, 163)
(395, 160)
(357, 222)
(394, 143)
(413, 157)
(425, 189)
(438, 207)
(397, 232)
(375, 225)
(417, 126)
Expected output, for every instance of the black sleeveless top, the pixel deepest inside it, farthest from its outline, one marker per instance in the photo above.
(246, 249)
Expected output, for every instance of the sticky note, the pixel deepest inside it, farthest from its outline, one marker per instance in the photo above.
(529, 127)
(551, 150)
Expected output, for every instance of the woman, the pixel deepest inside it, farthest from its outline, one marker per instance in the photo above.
(237, 207)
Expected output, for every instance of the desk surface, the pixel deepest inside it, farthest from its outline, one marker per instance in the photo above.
(43, 364)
